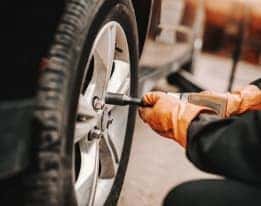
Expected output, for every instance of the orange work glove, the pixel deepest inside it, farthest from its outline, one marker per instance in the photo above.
(238, 102)
(168, 116)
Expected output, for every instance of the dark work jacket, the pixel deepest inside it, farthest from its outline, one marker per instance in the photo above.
(229, 147)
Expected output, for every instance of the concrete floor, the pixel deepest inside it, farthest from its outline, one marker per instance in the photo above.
(213, 72)
(156, 165)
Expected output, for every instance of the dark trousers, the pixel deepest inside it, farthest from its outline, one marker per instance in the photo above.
(214, 193)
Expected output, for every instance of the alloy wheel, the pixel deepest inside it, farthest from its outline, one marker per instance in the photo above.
(100, 129)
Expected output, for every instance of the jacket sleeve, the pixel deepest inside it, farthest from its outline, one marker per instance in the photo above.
(257, 83)
(228, 147)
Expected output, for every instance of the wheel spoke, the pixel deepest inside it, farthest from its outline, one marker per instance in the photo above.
(125, 87)
(88, 171)
(114, 148)
(107, 158)
(85, 106)
(83, 128)
(122, 50)
(120, 80)
(96, 85)
(117, 129)
(106, 46)
(111, 50)
(105, 52)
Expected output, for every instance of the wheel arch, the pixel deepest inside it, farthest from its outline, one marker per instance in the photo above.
(143, 13)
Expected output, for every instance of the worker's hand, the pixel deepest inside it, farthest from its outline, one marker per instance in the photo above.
(168, 116)
(240, 101)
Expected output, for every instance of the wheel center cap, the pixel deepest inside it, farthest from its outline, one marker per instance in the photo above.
(105, 115)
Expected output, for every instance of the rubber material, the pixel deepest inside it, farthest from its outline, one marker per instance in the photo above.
(49, 179)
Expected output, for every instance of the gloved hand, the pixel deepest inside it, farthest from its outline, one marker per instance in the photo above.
(238, 102)
(168, 116)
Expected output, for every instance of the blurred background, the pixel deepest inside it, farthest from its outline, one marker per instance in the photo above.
(226, 38)
(233, 28)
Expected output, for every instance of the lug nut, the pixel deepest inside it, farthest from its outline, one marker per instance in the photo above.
(97, 103)
(95, 134)
(81, 118)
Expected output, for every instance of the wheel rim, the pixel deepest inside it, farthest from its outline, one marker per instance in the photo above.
(100, 129)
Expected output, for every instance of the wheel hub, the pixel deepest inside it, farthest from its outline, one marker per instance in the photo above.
(104, 123)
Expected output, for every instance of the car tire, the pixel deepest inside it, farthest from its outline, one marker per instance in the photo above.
(49, 180)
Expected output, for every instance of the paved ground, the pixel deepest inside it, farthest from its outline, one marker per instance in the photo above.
(158, 164)
(213, 72)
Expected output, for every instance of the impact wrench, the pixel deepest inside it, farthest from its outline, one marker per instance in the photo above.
(218, 104)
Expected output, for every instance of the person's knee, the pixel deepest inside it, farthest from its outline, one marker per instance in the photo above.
(178, 196)
(214, 192)
(187, 194)
(170, 198)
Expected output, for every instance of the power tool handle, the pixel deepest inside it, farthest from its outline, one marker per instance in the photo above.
(218, 104)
